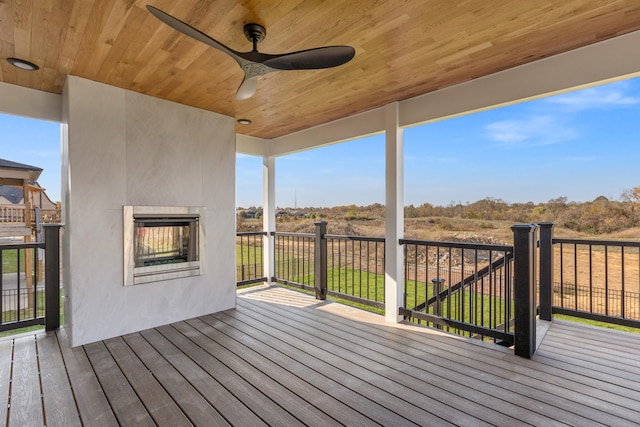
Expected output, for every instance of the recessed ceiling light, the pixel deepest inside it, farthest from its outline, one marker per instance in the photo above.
(244, 121)
(22, 64)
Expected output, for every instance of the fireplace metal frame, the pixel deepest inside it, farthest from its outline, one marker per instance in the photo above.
(154, 273)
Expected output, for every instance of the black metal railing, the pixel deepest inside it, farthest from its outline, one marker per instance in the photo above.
(294, 259)
(249, 258)
(592, 279)
(346, 267)
(465, 288)
(30, 283)
(355, 269)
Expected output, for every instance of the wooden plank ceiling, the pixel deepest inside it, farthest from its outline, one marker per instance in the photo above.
(403, 48)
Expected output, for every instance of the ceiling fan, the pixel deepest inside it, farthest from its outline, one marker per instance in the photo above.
(256, 64)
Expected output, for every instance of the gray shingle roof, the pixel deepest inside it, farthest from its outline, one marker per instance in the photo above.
(12, 194)
(8, 164)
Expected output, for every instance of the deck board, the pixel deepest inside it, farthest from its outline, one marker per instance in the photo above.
(241, 379)
(338, 358)
(429, 375)
(288, 391)
(91, 400)
(610, 357)
(229, 406)
(122, 398)
(25, 404)
(283, 358)
(6, 356)
(150, 392)
(546, 391)
(194, 406)
(619, 366)
(59, 403)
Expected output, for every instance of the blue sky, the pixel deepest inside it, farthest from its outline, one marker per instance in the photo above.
(35, 143)
(580, 145)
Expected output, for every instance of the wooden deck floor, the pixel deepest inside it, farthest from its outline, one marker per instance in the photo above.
(282, 358)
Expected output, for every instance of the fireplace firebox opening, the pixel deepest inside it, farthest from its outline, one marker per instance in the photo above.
(162, 243)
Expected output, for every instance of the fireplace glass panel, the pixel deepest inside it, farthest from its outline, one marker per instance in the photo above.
(164, 241)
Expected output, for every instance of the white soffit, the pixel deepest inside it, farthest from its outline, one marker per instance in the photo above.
(251, 145)
(32, 103)
(341, 130)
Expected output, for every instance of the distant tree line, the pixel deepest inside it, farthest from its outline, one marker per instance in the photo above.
(598, 216)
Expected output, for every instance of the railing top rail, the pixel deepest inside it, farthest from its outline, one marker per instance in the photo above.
(357, 238)
(251, 233)
(463, 245)
(281, 233)
(597, 242)
(10, 246)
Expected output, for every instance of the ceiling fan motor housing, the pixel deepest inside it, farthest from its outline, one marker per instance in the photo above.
(255, 32)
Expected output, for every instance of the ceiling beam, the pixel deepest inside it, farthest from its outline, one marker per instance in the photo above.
(251, 145)
(32, 103)
(345, 129)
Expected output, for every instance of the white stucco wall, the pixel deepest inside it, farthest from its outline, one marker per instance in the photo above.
(123, 148)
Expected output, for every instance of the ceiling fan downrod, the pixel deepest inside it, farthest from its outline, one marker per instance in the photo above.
(255, 33)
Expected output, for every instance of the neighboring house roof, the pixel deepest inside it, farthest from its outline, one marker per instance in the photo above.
(10, 172)
(8, 164)
(12, 194)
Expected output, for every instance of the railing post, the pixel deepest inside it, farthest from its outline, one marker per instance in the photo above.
(52, 276)
(320, 258)
(546, 270)
(524, 278)
(438, 284)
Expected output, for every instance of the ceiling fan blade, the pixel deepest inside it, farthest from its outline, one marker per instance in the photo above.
(312, 59)
(255, 63)
(247, 88)
(193, 33)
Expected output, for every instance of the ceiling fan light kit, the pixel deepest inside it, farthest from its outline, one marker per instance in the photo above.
(255, 63)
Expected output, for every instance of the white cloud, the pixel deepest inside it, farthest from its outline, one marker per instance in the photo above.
(596, 97)
(529, 132)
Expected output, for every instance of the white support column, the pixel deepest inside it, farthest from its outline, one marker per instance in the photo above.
(394, 265)
(269, 214)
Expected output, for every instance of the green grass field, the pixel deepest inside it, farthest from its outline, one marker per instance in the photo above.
(10, 261)
(248, 254)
